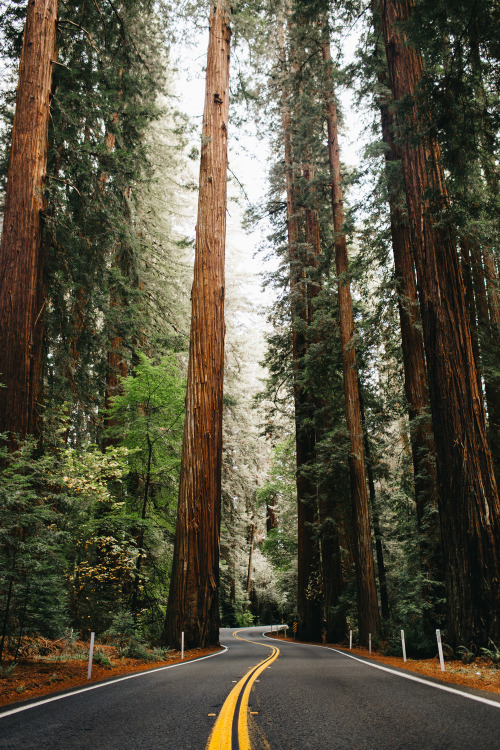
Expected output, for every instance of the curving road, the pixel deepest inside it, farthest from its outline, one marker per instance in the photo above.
(307, 697)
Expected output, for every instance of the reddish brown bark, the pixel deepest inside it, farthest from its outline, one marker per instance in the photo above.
(485, 285)
(422, 439)
(469, 505)
(368, 614)
(22, 297)
(471, 302)
(250, 558)
(193, 604)
(116, 372)
(417, 397)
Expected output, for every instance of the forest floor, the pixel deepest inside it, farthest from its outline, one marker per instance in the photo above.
(58, 668)
(481, 674)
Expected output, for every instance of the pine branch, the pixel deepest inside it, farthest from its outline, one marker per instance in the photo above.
(77, 25)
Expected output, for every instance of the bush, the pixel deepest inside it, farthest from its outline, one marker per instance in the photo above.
(136, 650)
(493, 654)
(101, 658)
(244, 619)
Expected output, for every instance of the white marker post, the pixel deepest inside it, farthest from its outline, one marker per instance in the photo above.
(404, 644)
(182, 645)
(440, 649)
(369, 643)
(350, 639)
(91, 651)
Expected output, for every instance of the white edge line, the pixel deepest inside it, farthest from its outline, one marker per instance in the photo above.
(406, 676)
(108, 682)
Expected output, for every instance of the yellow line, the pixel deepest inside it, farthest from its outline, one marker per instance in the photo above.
(221, 735)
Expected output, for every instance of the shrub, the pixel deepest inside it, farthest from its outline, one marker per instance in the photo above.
(101, 658)
(493, 654)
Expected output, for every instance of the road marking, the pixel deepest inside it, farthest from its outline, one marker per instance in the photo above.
(230, 731)
(404, 675)
(105, 684)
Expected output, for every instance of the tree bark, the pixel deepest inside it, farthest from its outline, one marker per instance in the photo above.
(377, 531)
(331, 568)
(469, 505)
(22, 289)
(471, 302)
(250, 558)
(415, 378)
(422, 439)
(193, 605)
(368, 614)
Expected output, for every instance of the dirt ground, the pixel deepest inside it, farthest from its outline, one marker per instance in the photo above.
(481, 674)
(35, 676)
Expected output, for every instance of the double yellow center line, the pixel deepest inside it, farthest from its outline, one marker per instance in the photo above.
(230, 731)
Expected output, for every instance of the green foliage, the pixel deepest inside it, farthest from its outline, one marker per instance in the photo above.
(244, 619)
(492, 653)
(137, 650)
(88, 529)
(122, 630)
(32, 563)
(149, 417)
(100, 657)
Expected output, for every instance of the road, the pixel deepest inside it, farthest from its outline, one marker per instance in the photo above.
(304, 697)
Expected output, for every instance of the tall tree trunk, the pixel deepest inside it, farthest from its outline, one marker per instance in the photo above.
(193, 604)
(331, 567)
(116, 369)
(250, 557)
(421, 436)
(468, 497)
(309, 613)
(422, 439)
(368, 614)
(492, 343)
(22, 295)
(377, 531)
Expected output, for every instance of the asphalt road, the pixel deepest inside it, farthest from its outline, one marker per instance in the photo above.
(310, 697)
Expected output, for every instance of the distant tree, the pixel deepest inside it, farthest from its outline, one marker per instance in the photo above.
(368, 614)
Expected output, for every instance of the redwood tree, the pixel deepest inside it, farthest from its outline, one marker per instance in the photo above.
(368, 614)
(415, 381)
(468, 497)
(193, 605)
(22, 295)
(300, 227)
